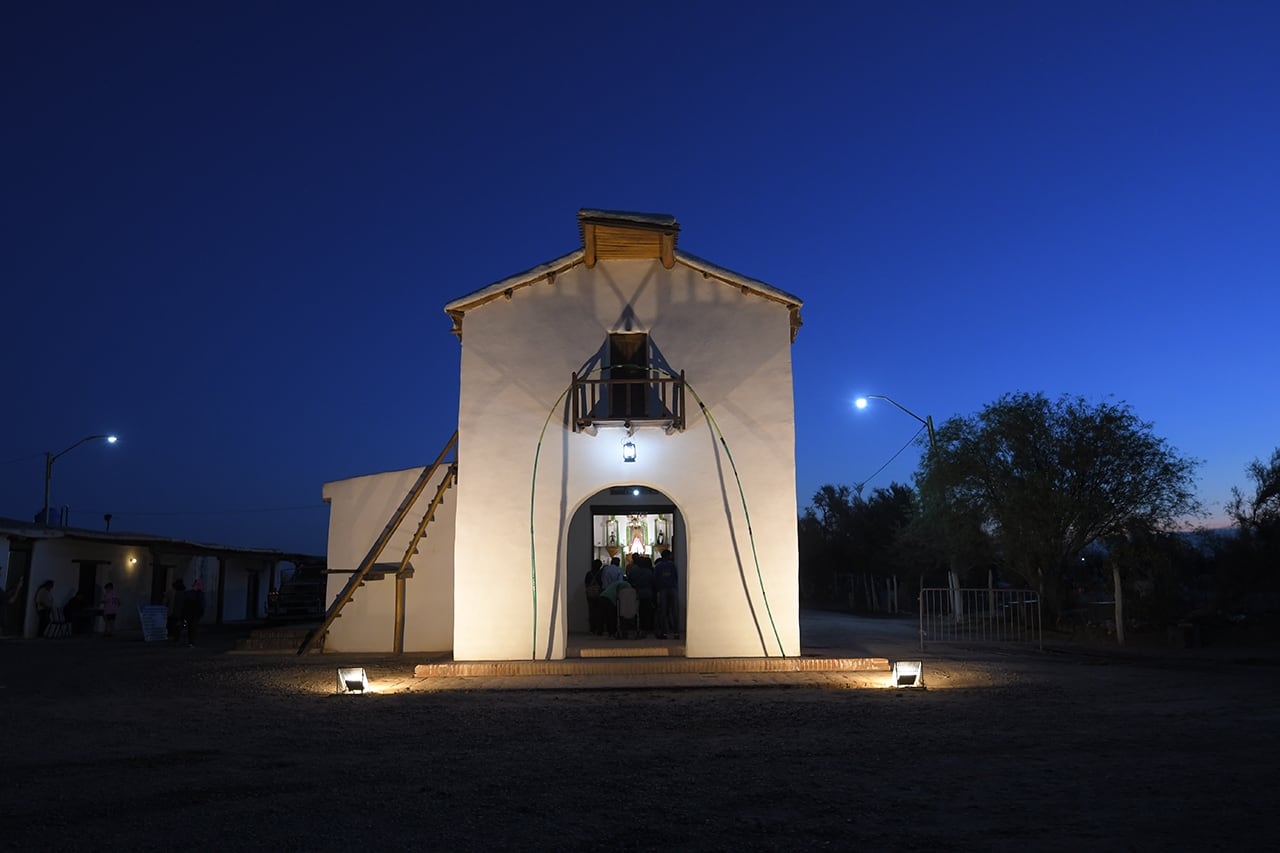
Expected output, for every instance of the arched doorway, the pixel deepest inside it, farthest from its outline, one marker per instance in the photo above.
(618, 521)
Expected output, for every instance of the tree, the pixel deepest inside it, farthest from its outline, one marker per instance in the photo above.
(825, 540)
(1248, 561)
(842, 535)
(878, 526)
(1259, 514)
(1046, 478)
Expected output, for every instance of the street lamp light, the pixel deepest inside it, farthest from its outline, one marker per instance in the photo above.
(861, 403)
(50, 458)
(953, 578)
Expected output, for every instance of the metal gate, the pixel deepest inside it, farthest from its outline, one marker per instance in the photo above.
(980, 616)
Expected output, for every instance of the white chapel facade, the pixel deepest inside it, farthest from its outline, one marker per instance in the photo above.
(625, 395)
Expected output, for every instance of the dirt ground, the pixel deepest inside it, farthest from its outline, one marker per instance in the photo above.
(117, 744)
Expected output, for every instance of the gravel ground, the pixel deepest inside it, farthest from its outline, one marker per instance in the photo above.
(117, 744)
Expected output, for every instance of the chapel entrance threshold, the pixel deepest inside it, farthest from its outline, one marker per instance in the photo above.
(587, 645)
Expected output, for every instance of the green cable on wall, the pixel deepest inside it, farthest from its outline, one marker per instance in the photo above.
(751, 537)
(533, 551)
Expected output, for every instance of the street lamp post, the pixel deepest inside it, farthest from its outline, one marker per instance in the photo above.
(953, 578)
(50, 458)
(861, 403)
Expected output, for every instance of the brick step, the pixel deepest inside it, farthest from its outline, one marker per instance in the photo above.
(651, 665)
(270, 633)
(287, 638)
(281, 645)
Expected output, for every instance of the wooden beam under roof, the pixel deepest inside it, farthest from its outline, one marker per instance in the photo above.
(614, 242)
(589, 243)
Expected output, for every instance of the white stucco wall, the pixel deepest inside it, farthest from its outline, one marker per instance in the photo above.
(517, 358)
(359, 509)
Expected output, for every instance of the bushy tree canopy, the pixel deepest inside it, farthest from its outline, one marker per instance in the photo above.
(1260, 512)
(1045, 478)
(1248, 570)
(842, 533)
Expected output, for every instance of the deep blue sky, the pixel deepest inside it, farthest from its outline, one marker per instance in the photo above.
(229, 229)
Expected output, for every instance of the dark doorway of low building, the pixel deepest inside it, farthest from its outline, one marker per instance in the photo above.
(252, 591)
(159, 582)
(81, 609)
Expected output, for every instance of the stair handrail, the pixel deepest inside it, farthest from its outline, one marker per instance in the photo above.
(446, 482)
(379, 545)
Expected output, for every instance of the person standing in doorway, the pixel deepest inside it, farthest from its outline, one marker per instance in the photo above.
(593, 587)
(612, 573)
(110, 606)
(173, 600)
(609, 606)
(73, 613)
(640, 576)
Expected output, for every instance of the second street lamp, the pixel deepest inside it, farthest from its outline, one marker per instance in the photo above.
(51, 457)
(953, 577)
(861, 403)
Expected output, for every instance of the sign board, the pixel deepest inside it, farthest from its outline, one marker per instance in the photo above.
(155, 619)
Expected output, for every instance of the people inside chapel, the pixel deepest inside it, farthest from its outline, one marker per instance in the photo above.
(609, 603)
(612, 572)
(640, 576)
(666, 582)
(592, 585)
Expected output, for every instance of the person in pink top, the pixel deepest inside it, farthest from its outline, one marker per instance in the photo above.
(110, 606)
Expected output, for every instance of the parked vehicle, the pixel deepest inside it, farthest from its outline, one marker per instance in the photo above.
(301, 594)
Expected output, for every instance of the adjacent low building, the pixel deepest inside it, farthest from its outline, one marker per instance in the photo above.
(140, 567)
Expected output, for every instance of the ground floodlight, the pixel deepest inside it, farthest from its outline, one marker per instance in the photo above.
(908, 673)
(352, 679)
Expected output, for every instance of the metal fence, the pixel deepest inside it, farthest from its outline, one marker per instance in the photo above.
(980, 616)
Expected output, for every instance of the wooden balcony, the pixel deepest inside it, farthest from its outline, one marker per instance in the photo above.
(653, 400)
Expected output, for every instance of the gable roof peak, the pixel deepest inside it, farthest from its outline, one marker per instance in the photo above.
(623, 234)
(661, 221)
(619, 234)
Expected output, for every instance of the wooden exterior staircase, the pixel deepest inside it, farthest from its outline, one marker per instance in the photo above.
(372, 570)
